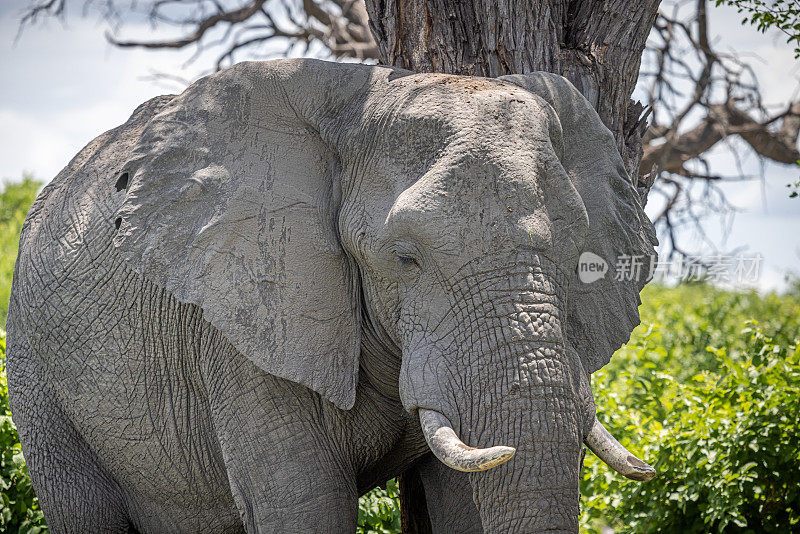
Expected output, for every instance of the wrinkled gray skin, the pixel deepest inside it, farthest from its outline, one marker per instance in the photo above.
(227, 311)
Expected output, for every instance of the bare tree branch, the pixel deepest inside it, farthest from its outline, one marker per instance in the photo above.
(47, 8)
(721, 121)
(230, 17)
(340, 26)
(702, 97)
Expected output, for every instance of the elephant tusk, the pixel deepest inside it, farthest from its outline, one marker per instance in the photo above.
(617, 457)
(453, 452)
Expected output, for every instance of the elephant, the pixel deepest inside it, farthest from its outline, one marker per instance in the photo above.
(257, 300)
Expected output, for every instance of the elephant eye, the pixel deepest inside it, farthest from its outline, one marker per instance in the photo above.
(406, 256)
(407, 261)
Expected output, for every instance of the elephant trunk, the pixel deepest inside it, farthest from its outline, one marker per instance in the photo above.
(505, 383)
(516, 401)
(536, 491)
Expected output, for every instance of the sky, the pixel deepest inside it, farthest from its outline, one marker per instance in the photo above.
(62, 85)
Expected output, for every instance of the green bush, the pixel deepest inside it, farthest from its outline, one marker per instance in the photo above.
(20, 510)
(15, 200)
(679, 323)
(713, 408)
(379, 511)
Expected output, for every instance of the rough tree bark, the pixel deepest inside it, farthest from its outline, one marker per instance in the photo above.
(596, 44)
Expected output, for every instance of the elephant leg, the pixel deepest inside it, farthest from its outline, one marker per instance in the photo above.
(448, 494)
(74, 491)
(283, 467)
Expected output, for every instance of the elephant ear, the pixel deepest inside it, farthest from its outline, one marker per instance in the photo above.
(602, 312)
(232, 206)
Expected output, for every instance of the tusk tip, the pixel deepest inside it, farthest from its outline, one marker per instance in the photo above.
(502, 453)
(608, 449)
(475, 460)
(639, 470)
(642, 477)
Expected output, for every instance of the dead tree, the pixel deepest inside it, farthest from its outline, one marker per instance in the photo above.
(597, 44)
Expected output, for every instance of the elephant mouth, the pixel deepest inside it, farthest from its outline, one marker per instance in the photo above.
(454, 453)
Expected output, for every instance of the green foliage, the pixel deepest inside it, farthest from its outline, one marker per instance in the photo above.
(781, 14)
(379, 511)
(679, 323)
(710, 398)
(15, 200)
(20, 510)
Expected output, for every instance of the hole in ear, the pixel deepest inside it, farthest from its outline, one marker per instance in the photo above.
(118, 222)
(122, 182)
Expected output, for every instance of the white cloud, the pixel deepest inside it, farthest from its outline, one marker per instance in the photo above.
(27, 145)
(63, 87)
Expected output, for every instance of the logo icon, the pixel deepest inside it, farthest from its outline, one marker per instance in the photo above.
(591, 267)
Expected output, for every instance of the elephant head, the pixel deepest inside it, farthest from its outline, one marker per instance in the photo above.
(305, 205)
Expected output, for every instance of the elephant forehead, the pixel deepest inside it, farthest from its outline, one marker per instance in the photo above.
(428, 113)
(468, 199)
(461, 176)
(452, 85)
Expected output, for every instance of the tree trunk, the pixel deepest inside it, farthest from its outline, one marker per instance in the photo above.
(596, 44)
